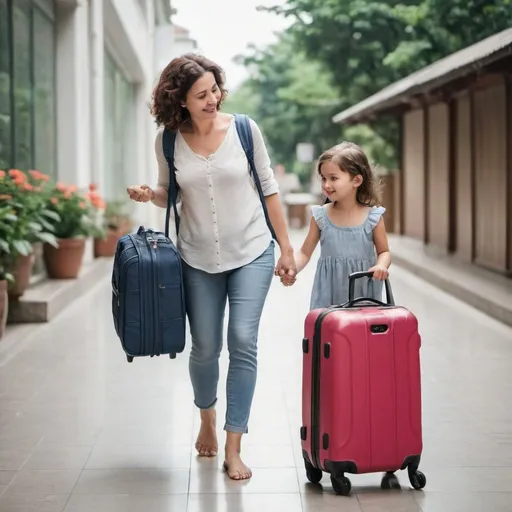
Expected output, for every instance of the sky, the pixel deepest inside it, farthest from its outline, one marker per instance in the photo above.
(224, 29)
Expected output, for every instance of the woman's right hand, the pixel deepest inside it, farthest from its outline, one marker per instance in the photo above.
(141, 193)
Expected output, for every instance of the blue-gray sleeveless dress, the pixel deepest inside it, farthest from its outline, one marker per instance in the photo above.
(344, 250)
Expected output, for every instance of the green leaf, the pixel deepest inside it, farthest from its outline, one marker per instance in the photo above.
(51, 215)
(22, 247)
(4, 246)
(9, 277)
(34, 226)
(48, 238)
(46, 225)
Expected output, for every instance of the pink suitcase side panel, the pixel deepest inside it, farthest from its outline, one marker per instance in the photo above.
(309, 329)
(370, 395)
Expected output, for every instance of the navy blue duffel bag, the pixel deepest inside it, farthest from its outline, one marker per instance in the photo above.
(148, 299)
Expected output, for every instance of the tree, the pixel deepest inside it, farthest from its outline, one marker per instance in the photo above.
(243, 100)
(366, 45)
(369, 44)
(294, 100)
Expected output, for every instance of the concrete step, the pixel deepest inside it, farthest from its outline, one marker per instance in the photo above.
(45, 300)
(487, 291)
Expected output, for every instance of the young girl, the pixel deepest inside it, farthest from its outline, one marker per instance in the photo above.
(350, 229)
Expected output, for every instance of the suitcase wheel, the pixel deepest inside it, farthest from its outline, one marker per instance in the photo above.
(341, 485)
(129, 359)
(390, 481)
(314, 475)
(418, 479)
(172, 356)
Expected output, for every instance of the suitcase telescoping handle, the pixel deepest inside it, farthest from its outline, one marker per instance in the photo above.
(390, 301)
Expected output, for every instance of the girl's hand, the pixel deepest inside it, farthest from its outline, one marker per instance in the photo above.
(287, 280)
(380, 273)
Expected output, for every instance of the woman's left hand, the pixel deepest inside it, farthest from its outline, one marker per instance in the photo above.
(380, 273)
(286, 268)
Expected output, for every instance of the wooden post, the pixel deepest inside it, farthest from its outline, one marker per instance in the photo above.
(508, 132)
(452, 175)
(426, 194)
(473, 171)
(401, 177)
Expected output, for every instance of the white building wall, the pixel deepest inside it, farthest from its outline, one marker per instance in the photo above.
(169, 45)
(84, 29)
(73, 94)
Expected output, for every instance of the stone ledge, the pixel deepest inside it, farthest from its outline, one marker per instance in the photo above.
(45, 300)
(487, 291)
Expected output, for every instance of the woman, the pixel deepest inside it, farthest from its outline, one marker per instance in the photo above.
(224, 241)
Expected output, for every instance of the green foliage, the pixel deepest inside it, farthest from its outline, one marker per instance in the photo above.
(244, 100)
(338, 52)
(291, 97)
(22, 193)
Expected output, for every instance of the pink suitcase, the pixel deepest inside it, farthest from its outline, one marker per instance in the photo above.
(361, 391)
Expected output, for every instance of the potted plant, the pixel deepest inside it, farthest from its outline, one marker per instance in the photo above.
(7, 231)
(77, 214)
(23, 194)
(116, 222)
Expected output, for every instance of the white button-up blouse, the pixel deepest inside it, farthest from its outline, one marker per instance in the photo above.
(222, 224)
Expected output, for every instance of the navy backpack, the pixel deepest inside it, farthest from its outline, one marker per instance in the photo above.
(243, 128)
(148, 298)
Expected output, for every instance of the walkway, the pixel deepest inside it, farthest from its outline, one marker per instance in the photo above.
(81, 430)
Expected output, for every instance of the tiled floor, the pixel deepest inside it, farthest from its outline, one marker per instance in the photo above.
(81, 430)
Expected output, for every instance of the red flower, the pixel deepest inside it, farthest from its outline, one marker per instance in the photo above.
(38, 176)
(18, 175)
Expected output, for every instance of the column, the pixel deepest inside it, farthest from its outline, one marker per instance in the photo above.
(73, 71)
(97, 93)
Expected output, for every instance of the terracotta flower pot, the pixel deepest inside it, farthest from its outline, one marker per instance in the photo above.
(66, 261)
(106, 247)
(22, 272)
(4, 307)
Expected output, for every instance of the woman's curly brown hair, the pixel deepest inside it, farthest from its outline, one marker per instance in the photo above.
(349, 157)
(175, 82)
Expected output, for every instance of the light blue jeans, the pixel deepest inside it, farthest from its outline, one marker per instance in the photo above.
(206, 295)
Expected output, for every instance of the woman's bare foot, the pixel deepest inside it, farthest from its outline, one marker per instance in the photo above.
(206, 444)
(233, 464)
(235, 468)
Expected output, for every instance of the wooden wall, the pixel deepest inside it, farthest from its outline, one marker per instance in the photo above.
(457, 175)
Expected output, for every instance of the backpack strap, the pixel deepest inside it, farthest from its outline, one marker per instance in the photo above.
(169, 140)
(244, 130)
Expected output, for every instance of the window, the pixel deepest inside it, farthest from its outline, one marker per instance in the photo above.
(5, 89)
(44, 99)
(119, 130)
(27, 85)
(22, 84)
